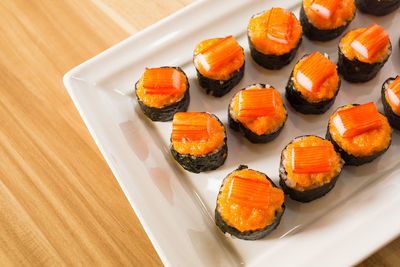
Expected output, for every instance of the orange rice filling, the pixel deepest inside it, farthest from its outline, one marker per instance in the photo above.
(351, 53)
(258, 34)
(326, 91)
(344, 13)
(244, 217)
(161, 100)
(307, 181)
(365, 144)
(265, 124)
(395, 107)
(222, 73)
(216, 136)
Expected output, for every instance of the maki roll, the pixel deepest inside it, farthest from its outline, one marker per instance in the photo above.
(359, 133)
(198, 141)
(309, 168)
(249, 205)
(324, 20)
(219, 64)
(377, 7)
(313, 84)
(161, 92)
(258, 113)
(391, 101)
(363, 52)
(274, 37)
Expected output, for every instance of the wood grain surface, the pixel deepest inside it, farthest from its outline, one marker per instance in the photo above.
(60, 204)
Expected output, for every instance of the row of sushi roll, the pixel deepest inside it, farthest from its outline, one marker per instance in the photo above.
(274, 37)
(249, 204)
(311, 89)
(358, 132)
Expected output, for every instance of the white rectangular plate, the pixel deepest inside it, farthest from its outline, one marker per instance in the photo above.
(176, 207)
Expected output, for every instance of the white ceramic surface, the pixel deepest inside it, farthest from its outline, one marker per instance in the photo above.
(176, 207)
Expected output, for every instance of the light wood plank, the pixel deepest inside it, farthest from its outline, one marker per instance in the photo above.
(60, 204)
(134, 16)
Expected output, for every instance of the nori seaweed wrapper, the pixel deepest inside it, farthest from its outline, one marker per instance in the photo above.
(306, 195)
(208, 162)
(248, 235)
(313, 33)
(166, 113)
(357, 71)
(377, 8)
(219, 88)
(349, 159)
(302, 105)
(394, 120)
(270, 61)
(236, 125)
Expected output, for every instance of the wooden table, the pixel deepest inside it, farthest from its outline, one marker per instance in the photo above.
(59, 202)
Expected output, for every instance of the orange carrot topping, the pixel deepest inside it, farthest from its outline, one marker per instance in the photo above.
(371, 41)
(311, 159)
(249, 192)
(256, 103)
(314, 71)
(393, 92)
(190, 126)
(222, 52)
(325, 8)
(357, 120)
(161, 81)
(280, 25)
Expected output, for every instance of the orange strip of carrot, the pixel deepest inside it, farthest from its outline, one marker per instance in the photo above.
(249, 192)
(325, 8)
(280, 25)
(216, 43)
(357, 120)
(311, 159)
(190, 126)
(371, 41)
(219, 54)
(256, 103)
(314, 71)
(164, 81)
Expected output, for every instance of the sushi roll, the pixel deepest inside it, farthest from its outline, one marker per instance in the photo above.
(391, 101)
(219, 64)
(324, 20)
(274, 37)
(161, 92)
(377, 7)
(258, 113)
(249, 205)
(363, 52)
(198, 141)
(313, 84)
(309, 168)
(359, 133)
